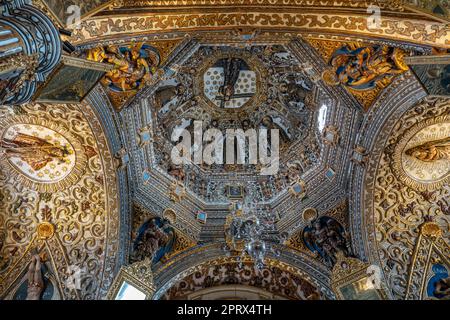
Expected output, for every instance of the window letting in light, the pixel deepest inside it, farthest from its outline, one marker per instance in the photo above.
(322, 118)
(128, 292)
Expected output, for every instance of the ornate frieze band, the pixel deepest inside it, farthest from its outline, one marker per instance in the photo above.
(428, 33)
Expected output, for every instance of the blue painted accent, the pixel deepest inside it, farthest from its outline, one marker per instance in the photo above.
(202, 216)
(146, 136)
(330, 174)
(440, 272)
(146, 176)
(165, 226)
(298, 188)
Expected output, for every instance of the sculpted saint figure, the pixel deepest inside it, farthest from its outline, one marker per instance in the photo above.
(35, 151)
(152, 240)
(232, 67)
(134, 66)
(431, 151)
(361, 68)
(327, 237)
(35, 280)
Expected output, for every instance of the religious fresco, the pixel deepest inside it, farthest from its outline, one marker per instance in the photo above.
(364, 70)
(434, 77)
(76, 218)
(38, 152)
(43, 155)
(134, 66)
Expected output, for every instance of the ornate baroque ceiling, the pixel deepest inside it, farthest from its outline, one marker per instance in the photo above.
(363, 114)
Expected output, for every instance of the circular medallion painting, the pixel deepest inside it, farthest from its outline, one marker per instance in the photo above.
(422, 156)
(229, 83)
(44, 156)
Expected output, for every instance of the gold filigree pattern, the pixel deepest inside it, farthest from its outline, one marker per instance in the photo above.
(181, 244)
(398, 209)
(76, 225)
(430, 248)
(431, 33)
(296, 242)
(273, 278)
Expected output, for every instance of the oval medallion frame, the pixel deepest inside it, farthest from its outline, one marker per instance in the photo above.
(76, 171)
(398, 154)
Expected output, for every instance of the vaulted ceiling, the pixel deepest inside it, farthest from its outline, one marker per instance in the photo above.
(364, 150)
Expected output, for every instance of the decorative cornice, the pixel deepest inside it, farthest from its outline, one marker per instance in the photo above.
(298, 19)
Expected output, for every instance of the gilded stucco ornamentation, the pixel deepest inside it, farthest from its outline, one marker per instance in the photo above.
(139, 275)
(75, 224)
(350, 272)
(385, 4)
(134, 66)
(430, 249)
(364, 70)
(272, 278)
(399, 207)
(432, 33)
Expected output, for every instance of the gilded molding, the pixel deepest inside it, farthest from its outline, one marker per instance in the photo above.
(430, 248)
